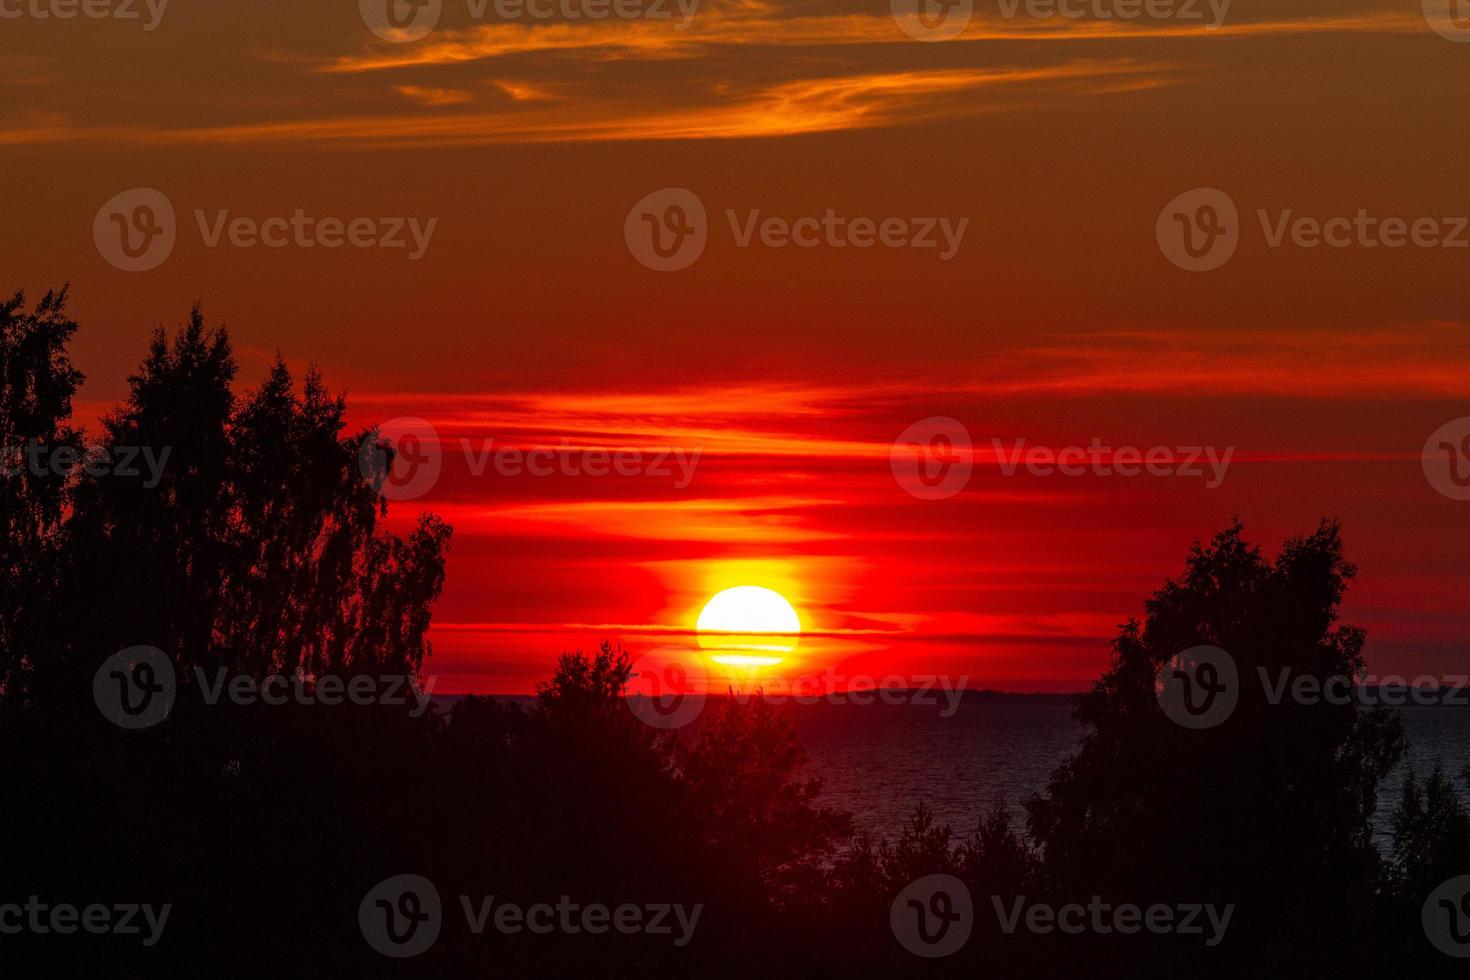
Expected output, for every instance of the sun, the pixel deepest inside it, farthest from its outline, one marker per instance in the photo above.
(748, 626)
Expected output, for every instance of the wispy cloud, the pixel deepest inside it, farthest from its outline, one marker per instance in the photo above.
(739, 27)
(433, 96)
(812, 105)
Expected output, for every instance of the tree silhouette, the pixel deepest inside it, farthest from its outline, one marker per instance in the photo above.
(37, 383)
(1270, 810)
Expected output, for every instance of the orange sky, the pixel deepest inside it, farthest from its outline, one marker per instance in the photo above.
(791, 371)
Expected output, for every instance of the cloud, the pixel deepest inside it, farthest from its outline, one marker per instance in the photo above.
(811, 105)
(433, 96)
(758, 27)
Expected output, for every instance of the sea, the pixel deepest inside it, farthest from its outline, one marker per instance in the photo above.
(878, 760)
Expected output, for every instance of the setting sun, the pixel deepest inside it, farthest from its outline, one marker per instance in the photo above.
(748, 625)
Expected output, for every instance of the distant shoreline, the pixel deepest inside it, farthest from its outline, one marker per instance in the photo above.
(1368, 697)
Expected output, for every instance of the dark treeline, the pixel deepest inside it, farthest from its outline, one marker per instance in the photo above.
(262, 550)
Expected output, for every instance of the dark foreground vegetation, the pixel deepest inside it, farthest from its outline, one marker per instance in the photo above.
(262, 550)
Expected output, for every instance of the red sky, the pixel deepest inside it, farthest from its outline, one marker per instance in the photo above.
(791, 371)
